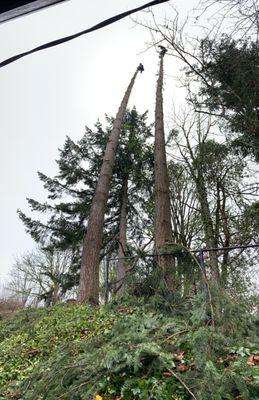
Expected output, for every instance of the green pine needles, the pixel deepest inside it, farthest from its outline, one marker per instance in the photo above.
(124, 351)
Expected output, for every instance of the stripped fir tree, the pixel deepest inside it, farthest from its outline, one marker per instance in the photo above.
(89, 273)
(163, 224)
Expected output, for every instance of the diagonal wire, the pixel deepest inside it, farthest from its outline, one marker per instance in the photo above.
(84, 32)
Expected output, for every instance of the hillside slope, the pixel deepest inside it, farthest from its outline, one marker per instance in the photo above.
(124, 351)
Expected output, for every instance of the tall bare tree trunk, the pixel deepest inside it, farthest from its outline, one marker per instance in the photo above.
(163, 225)
(122, 261)
(89, 274)
(207, 225)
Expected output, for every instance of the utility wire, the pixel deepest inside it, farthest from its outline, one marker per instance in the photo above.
(84, 32)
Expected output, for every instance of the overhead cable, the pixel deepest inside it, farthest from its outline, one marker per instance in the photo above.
(102, 24)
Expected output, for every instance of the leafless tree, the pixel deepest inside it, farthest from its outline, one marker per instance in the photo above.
(239, 18)
(220, 185)
(184, 205)
(39, 276)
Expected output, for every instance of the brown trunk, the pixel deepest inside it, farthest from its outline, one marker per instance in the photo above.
(163, 225)
(89, 274)
(122, 261)
(227, 236)
(207, 225)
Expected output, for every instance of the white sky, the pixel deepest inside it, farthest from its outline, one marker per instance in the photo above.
(56, 92)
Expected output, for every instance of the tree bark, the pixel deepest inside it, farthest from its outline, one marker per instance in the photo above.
(227, 238)
(122, 261)
(163, 225)
(207, 225)
(89, 274)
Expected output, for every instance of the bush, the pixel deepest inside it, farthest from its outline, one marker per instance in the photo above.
(124, 350)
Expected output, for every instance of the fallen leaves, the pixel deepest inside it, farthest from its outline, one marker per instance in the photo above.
(30, 351)
(84, 333)
(167, 374)
(180, 366)
(253, 360)
(180, 362)
(179, 355)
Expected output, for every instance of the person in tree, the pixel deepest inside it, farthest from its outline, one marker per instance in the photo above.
(140, 68)
(163, 50)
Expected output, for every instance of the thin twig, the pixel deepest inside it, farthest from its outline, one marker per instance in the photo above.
(183, 383)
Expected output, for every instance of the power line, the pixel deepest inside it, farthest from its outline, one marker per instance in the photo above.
(181, 251)
(84, 32)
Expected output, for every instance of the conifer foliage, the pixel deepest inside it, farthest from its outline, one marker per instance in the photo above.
(70, 192)
(180, 323)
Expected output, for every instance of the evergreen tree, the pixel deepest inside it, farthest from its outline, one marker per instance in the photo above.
(134, 173)
(70, 192)
(230, 85)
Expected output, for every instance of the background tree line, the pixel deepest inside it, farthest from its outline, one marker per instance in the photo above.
(212, 151)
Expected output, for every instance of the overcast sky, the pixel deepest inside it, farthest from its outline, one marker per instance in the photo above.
(56, 92)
